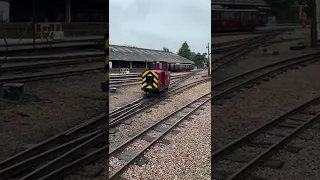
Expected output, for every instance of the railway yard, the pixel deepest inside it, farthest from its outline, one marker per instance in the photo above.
(263, 94)
(265, 107)
(59, 124)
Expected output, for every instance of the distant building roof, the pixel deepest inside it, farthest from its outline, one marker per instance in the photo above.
(240, 2)
(125, 53)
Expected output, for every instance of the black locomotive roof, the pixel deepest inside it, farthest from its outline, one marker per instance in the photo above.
(125, 53)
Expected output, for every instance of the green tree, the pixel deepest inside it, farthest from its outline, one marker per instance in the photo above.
(198, 59)
(166, 49)
(185, 51)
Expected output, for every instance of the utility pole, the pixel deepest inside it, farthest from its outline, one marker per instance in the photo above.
(34, 23)
(208, 63)
(314, 24)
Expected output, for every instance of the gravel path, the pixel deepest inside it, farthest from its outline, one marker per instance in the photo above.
(186, 157)
(53, 106)
(268, 100)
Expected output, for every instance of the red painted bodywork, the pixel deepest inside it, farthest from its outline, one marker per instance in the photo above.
(228, 20)
(163, 74)
(181, 67)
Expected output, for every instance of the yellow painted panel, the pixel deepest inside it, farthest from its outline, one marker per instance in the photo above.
(154, 74)
(144, 84)
(145, 73)
(106, 44)
(106, 60)
(106, 76)
(155, 80)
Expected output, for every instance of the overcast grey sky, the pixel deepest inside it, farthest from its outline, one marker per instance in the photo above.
(155, 24)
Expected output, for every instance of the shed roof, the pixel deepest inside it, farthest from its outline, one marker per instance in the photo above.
(240, 2)
(125, 53)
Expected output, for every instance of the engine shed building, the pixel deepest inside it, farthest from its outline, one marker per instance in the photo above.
(76, 18)
(136, 59)
(54, 11)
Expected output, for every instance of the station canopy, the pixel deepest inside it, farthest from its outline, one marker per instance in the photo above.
(125, 53)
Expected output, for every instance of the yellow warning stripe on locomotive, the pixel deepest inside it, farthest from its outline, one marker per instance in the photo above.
(155, 79)
(106, 59)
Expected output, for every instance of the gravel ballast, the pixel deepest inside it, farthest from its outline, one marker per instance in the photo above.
(130, 93)
(53, 106)
(303, 165)
(252, 107)
(147, 117)
(257, 58)
(186, 157)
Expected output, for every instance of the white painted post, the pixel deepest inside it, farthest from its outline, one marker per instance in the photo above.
(68, 11)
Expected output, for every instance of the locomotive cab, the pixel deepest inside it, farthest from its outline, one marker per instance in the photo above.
(156, 78)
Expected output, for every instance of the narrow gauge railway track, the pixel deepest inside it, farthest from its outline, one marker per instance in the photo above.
(42, 66)
(172, 120)
(227, 43)
(57, 156)
(227, 49)
(61, 154)
(51, 75)
(61, 56)
(263, 142)
(261, 72)
(244, 49)
(123, 113)
(133, 81)
(223, 89)
(237, 33)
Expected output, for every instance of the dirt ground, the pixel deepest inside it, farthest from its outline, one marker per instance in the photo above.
(50, 107)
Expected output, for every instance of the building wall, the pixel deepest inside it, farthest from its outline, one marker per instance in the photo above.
(57, 10)
(4, 11)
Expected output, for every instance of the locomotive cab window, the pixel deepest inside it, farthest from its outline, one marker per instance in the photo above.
(151, 66)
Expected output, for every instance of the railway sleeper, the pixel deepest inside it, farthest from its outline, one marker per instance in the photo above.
(267, 144)
(222, 174)
(90, 171)
(241, 158)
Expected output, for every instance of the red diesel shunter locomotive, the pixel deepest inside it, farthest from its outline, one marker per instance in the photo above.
(156, 78)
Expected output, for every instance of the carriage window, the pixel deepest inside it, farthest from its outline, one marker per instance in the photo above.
(246, 15)
(216, 15)
(165, 66)
(236, 15)
(160, 65)
(224, 15)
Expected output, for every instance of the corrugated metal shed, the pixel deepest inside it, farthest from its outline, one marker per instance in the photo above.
(240, 2)
(125, 53)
